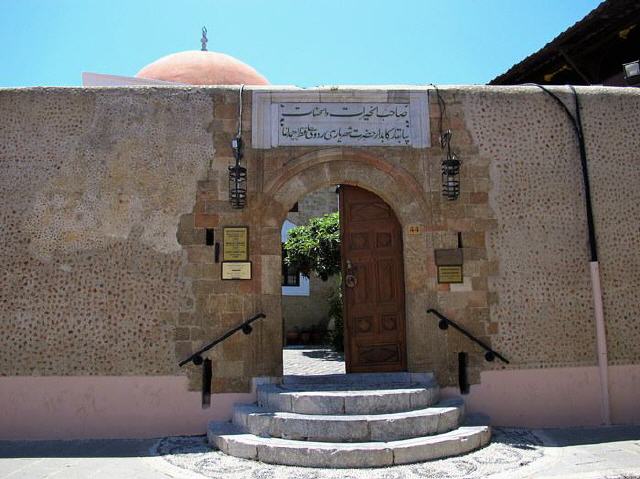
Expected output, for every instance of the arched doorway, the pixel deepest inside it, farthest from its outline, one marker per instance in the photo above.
(373, 283)
(399, 189)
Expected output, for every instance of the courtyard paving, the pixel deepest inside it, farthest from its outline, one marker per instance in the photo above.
(311, 360)
(585, 453)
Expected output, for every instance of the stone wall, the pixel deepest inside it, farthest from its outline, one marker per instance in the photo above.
(305, 312)
(106, 194)
(543, 314)
(92, 184)
(315, 204)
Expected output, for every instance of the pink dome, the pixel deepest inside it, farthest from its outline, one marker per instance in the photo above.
(202, 68)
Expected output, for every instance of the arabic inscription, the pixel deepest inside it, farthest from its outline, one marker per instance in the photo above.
(365, 124)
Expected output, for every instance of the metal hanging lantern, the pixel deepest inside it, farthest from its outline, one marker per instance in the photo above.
(450, 169)
(237, 173)
(237, 177)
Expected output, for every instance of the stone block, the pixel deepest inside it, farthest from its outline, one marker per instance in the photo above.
(186, 319)
(231, 384)
(241, 414)
(182, 334)
(402, 427)
(226, 110)
(244, 446)
(377, 403)
(233, 304)
(187, 234)
(235, 348)
(466, 285)
(271, 397)
(336, 428)
(473, 239)
(479, 197)
(419, 450)
(226, 368)
(479, 283)
(183, 349)
(261, 423)
(422, 398)
(205, 220)
(203, 288)
(449, 419)
(309, 403)
(279, 402)
(271, 274)
(314, 454)
(477, 299)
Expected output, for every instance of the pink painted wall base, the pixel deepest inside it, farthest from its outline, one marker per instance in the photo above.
(106, 407)
(553, 397)
(153, 406)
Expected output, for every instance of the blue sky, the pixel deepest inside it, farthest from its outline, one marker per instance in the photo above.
(50, 42)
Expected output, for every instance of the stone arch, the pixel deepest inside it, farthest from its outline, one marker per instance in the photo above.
(394, 185)
(322, 168)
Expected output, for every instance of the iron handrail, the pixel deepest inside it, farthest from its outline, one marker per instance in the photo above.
(196, 357)
(445, 322)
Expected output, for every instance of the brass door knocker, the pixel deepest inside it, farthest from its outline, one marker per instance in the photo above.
(350, 280)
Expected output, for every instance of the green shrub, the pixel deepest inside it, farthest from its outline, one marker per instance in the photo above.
(315, 247)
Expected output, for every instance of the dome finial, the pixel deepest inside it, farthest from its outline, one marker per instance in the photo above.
(204, 39)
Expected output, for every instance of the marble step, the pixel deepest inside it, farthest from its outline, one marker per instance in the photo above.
(231, 440)
(359, 378)
(440, 418)
(333, 399)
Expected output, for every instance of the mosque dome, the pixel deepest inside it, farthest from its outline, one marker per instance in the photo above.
(197, 67)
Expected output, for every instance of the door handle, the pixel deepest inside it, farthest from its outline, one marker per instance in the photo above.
(350, 279)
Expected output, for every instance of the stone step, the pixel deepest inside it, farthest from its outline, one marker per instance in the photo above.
(440, 418)
(359, 378)
(335, 399)
(231, 440)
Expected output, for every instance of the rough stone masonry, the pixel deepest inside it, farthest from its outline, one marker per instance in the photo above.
(106, 193)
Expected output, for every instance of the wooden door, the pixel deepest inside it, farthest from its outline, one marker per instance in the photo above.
(372, 282)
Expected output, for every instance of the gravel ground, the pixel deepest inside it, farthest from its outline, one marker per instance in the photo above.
(510, 449)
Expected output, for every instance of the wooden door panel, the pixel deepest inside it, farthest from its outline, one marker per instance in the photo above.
(384, 240)
(359, 242)
(378, 355)
(364, 326)
(389, 323)
(362, 294)
(385, 276)
(373, 303)
(365, 212)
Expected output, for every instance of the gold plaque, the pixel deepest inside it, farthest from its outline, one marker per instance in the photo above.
(236, 244)
(449, 257)
(450, 274)
(236, 270)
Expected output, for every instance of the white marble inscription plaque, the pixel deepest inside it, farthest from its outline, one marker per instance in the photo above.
(356, 118)
(366, 124)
